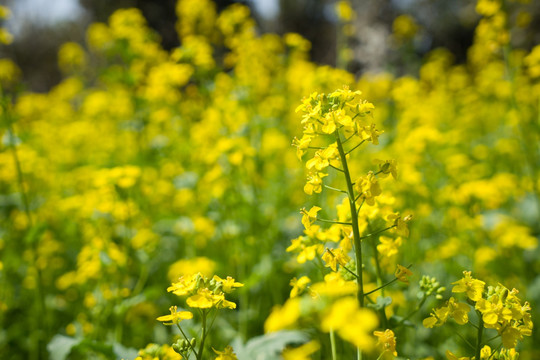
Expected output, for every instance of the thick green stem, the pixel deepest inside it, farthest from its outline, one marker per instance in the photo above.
(354, 218)
(333, 344)
(479, 337)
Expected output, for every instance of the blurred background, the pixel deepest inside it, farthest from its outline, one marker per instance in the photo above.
(40, 26)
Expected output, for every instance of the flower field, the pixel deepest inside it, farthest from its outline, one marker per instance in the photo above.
(232, 199)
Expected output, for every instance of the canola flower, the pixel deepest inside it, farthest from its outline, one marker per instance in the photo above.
(204, 294)
(497, 308)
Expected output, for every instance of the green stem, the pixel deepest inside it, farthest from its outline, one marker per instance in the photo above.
(377, 232)
(189, 342)
(334, 222)
(418, 307)
(333, 344)
(357, 145)
(203, 336)
(385, 285)
(479, 336)
(335, 189)
(356, 230)
(343, 266)
(465, 340)
(354, 219)
(336, 168)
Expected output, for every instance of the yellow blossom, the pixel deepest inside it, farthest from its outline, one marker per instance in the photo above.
(175, 317)
(386, 343)
(229, 284)
(334, 257)
(473, 287)
(402, 273)
(302, 352)
(298, 285)
(283, 317)
(309, 217)
(226, 354)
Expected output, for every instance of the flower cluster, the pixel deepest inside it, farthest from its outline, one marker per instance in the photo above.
(497, 307)
(205, 293)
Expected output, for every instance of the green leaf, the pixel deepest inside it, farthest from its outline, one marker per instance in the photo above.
(381, 303)
(268, 346)
(123, 352)
(60, 346)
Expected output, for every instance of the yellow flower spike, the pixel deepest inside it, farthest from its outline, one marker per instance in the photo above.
(226, 354)
(175, 317)
(473, 287)
(386, 343)
(402, 273)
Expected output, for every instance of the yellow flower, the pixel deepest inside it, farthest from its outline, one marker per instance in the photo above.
(283, 317)
(226, 354)
(510, 336)
(302, 352)
(344, 11)
(228, 284)
(302, 145)
(387, 167)
(298, 285)
(4, 12)
(352, 323)
(401, 224)
(204, 299)
(485, 353)
(335, 285)
(404, 27)
(488, 7)
(309, 217)
(473, 287)
(388, 246)
(386, 343)
(314, 183)
(334, 257)
(368, 186)
(175, 317)
(402, 273)
(185, 285)
(459, 311)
